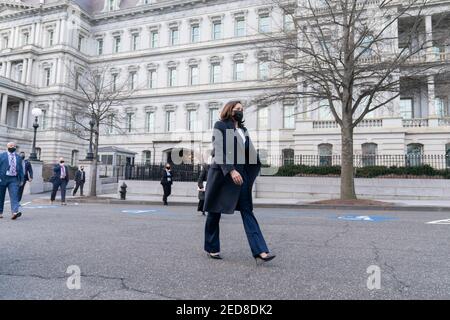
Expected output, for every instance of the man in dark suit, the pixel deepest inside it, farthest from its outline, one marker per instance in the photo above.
(11, 177)
(166, 181)
(60, 179)
(28, 174)
(80, 179)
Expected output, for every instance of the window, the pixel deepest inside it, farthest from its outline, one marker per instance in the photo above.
(135, 42)
(369, 153)
(217, 30)
(264, 23)
(238, 73)
(406, 108)
(114, 82)
(195, 33)
(193, 79)
(150, 121)
(80, 42)
(133, 80)
(239, 27)
(325, 154)
(129, 122)
(288, 22)
(215, 72)
(154, 39)
(441, 109)
(110, 125)
(5, 43)
(48, 77)
(174, 36)
(77, 80)
(74, 159)
(213, 117)
(170, 121)
(366, 46)
(50, 35)
(152, 79)
(26, 38)
(414, 154)
(288, 156)
(43, 119)
(100, 46)
(172, 77)
(107, 159)
(263, 118)
(117, 44)
(111, 5)
(147, 157)
(192, 120)
(263, 70)
(289, 116)
(325, 110)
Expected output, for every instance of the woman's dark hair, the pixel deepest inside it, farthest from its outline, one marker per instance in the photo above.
(227, 111)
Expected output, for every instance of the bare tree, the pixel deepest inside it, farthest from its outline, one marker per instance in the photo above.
(347, 56)
(101, 96)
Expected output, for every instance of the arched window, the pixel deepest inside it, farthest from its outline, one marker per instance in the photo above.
(414, 154)
(288, 156)
(325, 152)
(369, 153)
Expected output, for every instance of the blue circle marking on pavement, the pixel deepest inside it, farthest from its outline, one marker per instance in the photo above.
(138, 211)
(364, 218)
(41, 207)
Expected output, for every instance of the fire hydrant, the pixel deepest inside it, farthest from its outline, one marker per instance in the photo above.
(123, 191)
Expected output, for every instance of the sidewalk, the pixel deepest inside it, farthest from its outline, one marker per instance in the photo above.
(397, 205)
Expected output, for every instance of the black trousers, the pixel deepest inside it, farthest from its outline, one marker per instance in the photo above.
(21, 190)
(167, 191)
(56, 185)
(254, 235)
(78, 184)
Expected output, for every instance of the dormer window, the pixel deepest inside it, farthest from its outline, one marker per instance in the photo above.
(111, 5)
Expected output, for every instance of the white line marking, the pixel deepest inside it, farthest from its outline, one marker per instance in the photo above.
(26, 203)
(446, 221)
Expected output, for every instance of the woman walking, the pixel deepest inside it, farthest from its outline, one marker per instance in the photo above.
(233, 171)
(201, 183)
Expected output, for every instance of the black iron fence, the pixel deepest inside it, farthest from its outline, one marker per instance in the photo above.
(153, 172)
(440, 161)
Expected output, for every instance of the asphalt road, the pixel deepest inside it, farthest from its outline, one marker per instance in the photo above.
(158, 254)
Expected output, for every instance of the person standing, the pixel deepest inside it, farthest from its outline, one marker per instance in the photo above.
(201, 184)
(11, 178)
(166, 181)
(60, 179)
(80, 179)
(233, 171)
(28, 174)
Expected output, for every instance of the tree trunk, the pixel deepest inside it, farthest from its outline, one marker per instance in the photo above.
(347, 171)
(94, 167)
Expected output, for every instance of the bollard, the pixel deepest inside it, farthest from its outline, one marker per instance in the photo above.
(123, 191)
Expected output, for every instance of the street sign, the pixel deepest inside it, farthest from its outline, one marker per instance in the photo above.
(364, 218)
(446, 221)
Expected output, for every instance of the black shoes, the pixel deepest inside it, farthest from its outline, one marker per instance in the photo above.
(215, 256)
(16, 215)
(266, 258)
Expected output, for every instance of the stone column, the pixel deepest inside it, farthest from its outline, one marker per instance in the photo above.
(4, 108)
(431, 98)
(87, 168)
(24, 70)
(8, 69)
(62, 38)
(29, 72)
(26, 112)
(20, 117)
(429, 37)
(37, 185)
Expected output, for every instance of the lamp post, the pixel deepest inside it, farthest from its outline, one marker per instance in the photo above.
(90, 154)
(36, 112)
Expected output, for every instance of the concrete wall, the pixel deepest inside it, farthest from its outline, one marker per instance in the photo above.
(315, 188)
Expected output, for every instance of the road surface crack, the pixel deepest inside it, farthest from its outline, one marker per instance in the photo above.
(337, 235)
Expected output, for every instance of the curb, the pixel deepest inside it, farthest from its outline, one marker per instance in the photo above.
(284, 206)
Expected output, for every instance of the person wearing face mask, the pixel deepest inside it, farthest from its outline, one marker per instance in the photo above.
(28, 174)
(60, 179)
(80, 179)
(11, 178)
(167, 181)
(231, 175)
